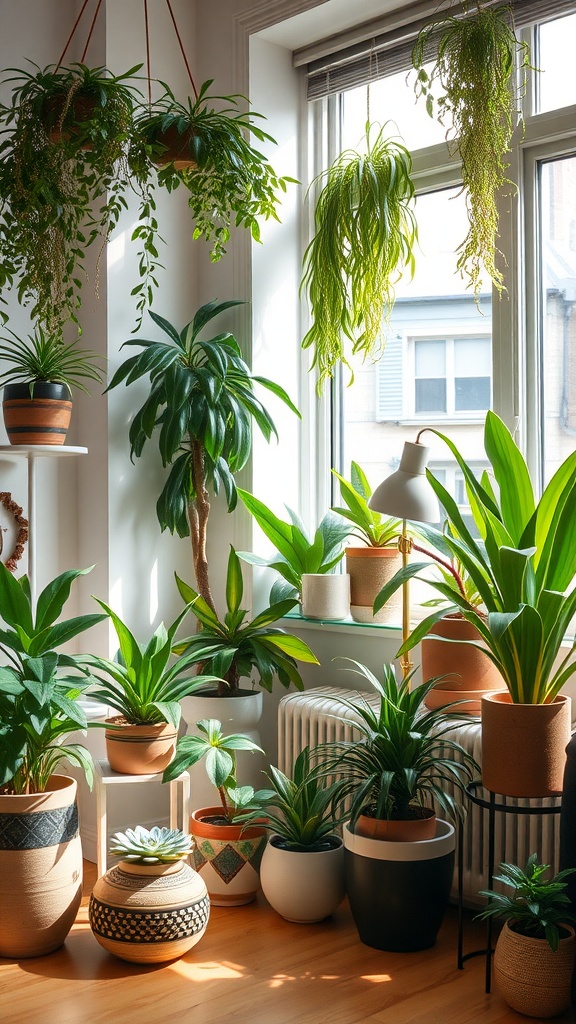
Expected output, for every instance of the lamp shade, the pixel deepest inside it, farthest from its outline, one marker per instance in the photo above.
(406, 494)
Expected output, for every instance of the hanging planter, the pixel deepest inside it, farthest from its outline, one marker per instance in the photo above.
(365, 234)
(475, 60)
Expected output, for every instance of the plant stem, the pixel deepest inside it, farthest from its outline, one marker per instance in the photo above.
(445, 564)
(198, 512)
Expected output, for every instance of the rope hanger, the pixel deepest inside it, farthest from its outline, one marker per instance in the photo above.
(147, 37)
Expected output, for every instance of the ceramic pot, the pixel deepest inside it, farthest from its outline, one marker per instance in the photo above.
(469, 673)
(228, 858)
(399, 891)
(325, 595)
(369, 570)
(524, 745)
(40, 869)
(408, 831)
(43, 419)
(139, 749)
(242, 714)
(303, 886)
(149, 913)
(532, 978)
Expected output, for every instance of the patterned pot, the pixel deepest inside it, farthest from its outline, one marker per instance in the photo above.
(40, 869)
(149, 913)
(228, 858)
(140, 749)
(43, 419)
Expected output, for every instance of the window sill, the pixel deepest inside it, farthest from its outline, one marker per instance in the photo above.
(347, 625)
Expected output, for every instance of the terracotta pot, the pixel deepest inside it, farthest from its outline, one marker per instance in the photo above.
(177, 148)
(532, 978)
(40, 869)
(43, 419)
(468, 671)
(149, 913)
(369, 570)
(409, 831)
(303, 886)
(60, 129)
(139, 749)
(228, 858)
(524, 745)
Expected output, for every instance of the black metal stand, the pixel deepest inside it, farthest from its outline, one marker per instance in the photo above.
(473, 791)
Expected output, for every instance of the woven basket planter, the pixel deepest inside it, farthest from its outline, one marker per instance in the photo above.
(532, 978)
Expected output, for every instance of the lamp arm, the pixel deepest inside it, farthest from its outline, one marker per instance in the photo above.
(445, 564)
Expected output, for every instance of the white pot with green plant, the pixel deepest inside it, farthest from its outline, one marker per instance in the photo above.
(535, 951)
(227, 852)
(40, 847)
(377, 558)
(302, 869)
(152, 906)
(307, 566)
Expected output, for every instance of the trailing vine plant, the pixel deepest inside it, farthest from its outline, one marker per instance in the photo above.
(365, 234)
(474, 63)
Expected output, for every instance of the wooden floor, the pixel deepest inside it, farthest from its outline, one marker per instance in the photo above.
(255, 968)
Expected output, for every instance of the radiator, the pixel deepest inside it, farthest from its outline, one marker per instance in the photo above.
(315, 716)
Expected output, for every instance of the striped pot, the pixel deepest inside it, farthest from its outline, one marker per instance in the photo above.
(139, 749)
(149, 913)
(41, 419)
(228, 857)
(40, 869)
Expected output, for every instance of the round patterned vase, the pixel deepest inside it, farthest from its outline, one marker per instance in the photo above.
(228, 856)
(149, 913)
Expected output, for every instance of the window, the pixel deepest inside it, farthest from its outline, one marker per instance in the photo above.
(452, 376)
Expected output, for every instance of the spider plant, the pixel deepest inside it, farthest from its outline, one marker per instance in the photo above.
(44, 356)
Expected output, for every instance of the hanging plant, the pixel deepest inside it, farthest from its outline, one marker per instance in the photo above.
(474, 62)
(365, 234)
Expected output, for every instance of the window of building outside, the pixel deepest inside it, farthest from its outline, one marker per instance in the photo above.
(448, 357)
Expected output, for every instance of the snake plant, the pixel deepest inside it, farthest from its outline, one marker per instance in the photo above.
(151, 846)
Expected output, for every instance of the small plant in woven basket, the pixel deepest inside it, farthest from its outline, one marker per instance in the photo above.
(151, 846)
(537, 907)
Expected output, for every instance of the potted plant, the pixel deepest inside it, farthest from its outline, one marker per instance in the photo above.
(145, 691)
(64, 170)
(376, 559)
(365, 234)
(227, 853)
(480, 66)
(534, 955)
(151, 907)
(42, 370)
(232, 649)
(522, 563)
(302, 868)
(303, 562)
(399, 859)
(207, 149)
(40, 850)
(202, 403)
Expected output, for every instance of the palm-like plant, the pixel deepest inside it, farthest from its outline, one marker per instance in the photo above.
(403, 758)
(44, 356)
(203, 403)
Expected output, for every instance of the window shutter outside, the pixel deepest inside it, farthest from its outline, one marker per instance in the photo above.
(390, 404)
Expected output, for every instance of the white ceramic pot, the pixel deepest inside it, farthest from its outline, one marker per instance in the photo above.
(303, 886)
(325, 595)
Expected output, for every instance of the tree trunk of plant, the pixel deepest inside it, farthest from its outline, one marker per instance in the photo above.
(198, 512)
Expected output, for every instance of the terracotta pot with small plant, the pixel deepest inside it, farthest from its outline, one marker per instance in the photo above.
(152, 906)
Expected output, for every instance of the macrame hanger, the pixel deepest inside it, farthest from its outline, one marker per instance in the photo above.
(180, 44)
(75, 26)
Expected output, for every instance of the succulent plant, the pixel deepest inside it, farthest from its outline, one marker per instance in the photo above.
(151, 846)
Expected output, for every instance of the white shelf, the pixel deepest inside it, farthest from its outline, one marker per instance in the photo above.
(52, 450)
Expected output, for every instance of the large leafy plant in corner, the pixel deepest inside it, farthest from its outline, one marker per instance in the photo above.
(38, 684)
(364, 239)
(202, 404)
(479, 72)
(522, 564)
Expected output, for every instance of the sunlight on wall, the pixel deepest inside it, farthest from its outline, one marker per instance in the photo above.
(153, 592)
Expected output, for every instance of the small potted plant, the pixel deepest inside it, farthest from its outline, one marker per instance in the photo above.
(151, 907)
(399, 859)
(232, 879)
(376, 559)
(534, 955)
(145, 691)
(302, 869)
(305, 565)
(42, 370)
(39, 709)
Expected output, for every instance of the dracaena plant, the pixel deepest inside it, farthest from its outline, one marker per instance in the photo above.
(296, 553)
(202, 405)
(368, 526)
(232, 648)
(39, 685)
(522, 564)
